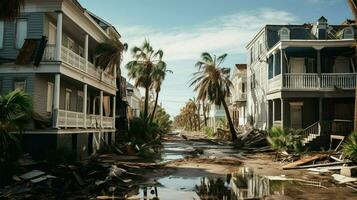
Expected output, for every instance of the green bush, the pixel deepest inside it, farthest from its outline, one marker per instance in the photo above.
(208, 131)
(285, 140)
(142, 131)
(350, 147)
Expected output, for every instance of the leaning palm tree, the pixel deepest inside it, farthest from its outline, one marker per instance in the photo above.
(353, 6)
(110, 54)
(10, 9)
(142, 67)
(212, 83)
(158, 75)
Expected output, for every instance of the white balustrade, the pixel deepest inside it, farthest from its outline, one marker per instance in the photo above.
(275, 83)
(76, 61)
(301, 81)
(70, 119)
(338, 80)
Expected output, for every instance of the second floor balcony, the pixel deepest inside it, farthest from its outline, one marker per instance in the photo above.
(76, 61)
(313, 81)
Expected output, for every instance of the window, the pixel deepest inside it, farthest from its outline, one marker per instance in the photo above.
(20, 85)
(284, 33)
(68, 99)
(348, 33)
(49, 96)
(251, 55)
(1, 34)
(243, 87)
(80, 97)
(21, 32)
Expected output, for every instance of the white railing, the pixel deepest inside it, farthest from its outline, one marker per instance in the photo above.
(108, 122)
(301, 81)
(50, 53)
(70, 119)
(340, 80)
(76, 61)
(275, 83)
(311, 132)
(312, 81)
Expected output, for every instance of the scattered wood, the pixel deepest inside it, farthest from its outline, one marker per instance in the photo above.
(319, 165)
(304, 160)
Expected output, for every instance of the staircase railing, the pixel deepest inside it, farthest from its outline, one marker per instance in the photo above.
(311, 131)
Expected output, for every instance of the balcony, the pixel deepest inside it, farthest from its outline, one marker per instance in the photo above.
(78, 62)
(312, 81)
(70, 119)
(240, 97)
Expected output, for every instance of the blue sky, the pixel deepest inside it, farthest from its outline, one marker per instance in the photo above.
(185, 28)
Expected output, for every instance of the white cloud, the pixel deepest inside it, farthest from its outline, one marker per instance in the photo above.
(224, 34)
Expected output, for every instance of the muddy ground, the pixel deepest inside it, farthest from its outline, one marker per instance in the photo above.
(186, 162)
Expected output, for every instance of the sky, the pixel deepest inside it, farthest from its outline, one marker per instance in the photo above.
(184, 29)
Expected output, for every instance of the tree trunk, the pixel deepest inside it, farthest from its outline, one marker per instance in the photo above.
(146, 105)
(155, 105)
(204, 109)
(229, 119)
(199, 117)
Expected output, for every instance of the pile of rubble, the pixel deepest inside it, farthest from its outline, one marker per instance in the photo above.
(99, 178)
(333, 163)
(253, 140)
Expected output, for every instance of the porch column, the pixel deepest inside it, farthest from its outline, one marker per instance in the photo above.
(114, 110)
(320, 110)
(85, 91)
(274, 63)
(273, 111)
(56, 96)
(282, 66)
(59, 36)
(101, 108)
(282, 113)
(268, 113)
(318, 62)
(86, 49)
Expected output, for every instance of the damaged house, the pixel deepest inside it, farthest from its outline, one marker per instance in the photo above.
(303, 77)
(49, 52)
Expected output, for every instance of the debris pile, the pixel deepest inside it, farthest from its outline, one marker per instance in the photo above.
(333, 163)
(98, 178)
(254, 140)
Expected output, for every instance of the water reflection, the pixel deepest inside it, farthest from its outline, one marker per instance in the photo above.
(243, 184)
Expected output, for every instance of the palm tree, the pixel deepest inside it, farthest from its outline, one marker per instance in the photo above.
(10, 9)
(212, 83)
(158, 75)
(353, 6)
(15, 109)
(110, 54)
(205, 111)
(141, 68)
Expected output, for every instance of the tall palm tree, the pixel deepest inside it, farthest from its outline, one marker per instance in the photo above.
(353, 6)
(158, 75)
(141, 68)
(212, 83)
(204, 110)
(10, 9)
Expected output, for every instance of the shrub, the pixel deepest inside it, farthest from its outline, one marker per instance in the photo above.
(208, 131)
(350, 147)
(142, 131)
(284, 140)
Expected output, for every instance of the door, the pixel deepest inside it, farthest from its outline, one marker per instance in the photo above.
(68, 99)
(52, 34)
(297, 65)
(296, 115)
(342, 65)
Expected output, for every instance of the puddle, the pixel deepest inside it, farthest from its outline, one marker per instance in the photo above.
(243, 184)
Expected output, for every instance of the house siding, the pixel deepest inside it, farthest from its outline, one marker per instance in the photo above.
(34, 31)
(7, 82)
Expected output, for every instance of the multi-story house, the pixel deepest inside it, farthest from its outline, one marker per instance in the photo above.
(216, 117)
(134, 100)
(121, 121)
(303, 77)
(49, 52)
(238, 99)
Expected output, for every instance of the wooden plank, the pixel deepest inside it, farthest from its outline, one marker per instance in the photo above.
(304, 160)
(320, 165)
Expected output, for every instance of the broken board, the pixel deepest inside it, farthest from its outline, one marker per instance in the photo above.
(304, 160)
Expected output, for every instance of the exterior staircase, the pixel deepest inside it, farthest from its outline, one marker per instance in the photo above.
(311, 133)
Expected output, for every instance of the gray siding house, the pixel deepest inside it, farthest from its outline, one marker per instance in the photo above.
(303, 77)
(73, 100)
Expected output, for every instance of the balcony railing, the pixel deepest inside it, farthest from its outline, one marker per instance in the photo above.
(312, 81)
(78, 62)
(70, 119)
